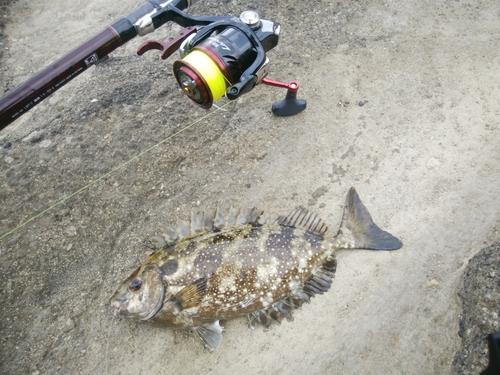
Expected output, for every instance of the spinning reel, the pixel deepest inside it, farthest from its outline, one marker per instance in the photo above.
(224, 56)
(220, 56)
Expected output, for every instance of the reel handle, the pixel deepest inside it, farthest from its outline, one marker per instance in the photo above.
(290, 105)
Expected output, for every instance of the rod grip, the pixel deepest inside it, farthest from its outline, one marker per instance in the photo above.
(57, 74)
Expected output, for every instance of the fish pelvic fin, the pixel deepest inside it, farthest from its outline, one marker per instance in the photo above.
(358, 231)
(210, 334)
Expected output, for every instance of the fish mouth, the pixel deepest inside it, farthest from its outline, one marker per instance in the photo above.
(115, 306)
(116, 310)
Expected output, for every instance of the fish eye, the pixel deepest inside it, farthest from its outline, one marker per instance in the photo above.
(135, 285)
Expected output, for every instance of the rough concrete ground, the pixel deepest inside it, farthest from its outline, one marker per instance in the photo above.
(403, 104)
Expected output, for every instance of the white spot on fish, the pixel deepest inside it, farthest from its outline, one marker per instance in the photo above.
(294, 285)
(302, 263)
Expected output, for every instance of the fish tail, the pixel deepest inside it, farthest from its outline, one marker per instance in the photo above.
(358, 231)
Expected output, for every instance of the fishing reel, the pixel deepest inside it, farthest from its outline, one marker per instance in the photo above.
(222, 56)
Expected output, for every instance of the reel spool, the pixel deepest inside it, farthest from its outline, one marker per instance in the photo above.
(212, 66)
(201, 78)
(225, 57)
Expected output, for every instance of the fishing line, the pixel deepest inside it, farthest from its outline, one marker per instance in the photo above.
(107, 343)
(112, 171)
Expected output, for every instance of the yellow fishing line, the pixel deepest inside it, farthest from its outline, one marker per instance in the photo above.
(210, 71)
(111, 172)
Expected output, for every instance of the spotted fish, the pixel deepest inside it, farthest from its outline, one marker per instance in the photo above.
(228, 263)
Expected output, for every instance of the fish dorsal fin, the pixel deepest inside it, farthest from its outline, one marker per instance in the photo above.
(156, 242)
(183, 228)
(232, 216)
(303, 219)
(209, 221)
(220, 218)
(197, 224)
(268, 218)
(215, 220)
(210, 334)
(171, 235)
(191, 295)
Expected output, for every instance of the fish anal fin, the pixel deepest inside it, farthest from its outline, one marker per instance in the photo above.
(251, 321)
(284, 309)
(210, 334)
(321, 280)
(265, 317)
(358, 229)
(191, 295)
(278, 310)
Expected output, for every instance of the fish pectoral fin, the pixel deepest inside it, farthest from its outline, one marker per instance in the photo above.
(192, 295)
(210, 334)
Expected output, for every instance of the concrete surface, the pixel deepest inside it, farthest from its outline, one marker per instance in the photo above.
(403, 104)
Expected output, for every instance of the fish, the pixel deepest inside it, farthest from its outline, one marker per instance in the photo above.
(227, 263)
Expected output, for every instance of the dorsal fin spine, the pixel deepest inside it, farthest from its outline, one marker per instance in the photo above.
(303, 219)
(214, 220)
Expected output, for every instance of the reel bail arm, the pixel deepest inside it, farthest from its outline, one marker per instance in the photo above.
(166, 48)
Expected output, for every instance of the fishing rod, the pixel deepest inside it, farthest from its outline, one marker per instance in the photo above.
(220, 56)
